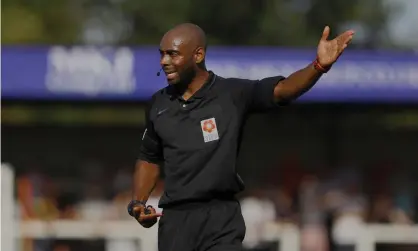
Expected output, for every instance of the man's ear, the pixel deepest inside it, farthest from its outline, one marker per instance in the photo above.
(199, 55)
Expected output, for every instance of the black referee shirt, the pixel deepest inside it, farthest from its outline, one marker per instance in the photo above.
(197, 141)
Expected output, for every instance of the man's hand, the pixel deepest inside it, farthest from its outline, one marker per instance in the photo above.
(329, 50)
(147, 217)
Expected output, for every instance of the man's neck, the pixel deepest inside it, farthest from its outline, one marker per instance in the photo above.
(197, 83)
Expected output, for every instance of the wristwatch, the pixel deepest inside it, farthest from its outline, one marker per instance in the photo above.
(134, 203)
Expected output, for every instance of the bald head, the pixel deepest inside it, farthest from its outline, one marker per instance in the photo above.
(183, 50)
(188, 32)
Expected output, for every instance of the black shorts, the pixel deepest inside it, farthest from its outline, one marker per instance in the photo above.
(211, 226)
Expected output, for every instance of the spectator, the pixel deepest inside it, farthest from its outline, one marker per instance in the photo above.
(313, 232)
(257, 210)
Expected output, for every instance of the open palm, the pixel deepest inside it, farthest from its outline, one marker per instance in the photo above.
(329, 50)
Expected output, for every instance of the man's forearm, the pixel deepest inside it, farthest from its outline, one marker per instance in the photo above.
(145, 177)
(296, 84)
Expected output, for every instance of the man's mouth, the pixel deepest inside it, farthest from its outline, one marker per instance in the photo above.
(171, 75)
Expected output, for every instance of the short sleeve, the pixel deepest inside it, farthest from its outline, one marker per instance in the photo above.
(151, 147)
(258, 95)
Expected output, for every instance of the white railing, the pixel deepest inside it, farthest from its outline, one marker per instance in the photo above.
(108, 230)
(288, 235)
(390, 234)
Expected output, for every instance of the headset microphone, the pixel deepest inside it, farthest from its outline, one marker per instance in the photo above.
(159, 72)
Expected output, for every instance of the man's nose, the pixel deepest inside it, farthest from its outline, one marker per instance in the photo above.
(165, 60)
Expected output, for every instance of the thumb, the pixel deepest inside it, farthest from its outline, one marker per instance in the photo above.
(325, 33)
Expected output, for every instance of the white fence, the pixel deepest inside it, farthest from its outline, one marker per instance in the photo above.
(287, 235)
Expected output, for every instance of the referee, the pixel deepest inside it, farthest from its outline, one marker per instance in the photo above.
(193, 131)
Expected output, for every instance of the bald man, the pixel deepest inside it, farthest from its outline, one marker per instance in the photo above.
(193, 131)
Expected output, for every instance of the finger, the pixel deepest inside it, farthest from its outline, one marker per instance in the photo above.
(146, 217)
(325, 33)
(343, 40)
(345, 37)
(348, 35)
(151, 210)
(349, 39)
(344, 44)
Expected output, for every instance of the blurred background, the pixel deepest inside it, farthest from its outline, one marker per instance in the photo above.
(77, 75)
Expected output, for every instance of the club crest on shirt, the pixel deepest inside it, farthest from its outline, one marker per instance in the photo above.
(209, 130)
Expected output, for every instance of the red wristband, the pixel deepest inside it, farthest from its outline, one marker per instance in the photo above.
(319, 67)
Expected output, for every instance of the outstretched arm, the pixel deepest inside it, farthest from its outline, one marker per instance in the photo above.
(301, 81)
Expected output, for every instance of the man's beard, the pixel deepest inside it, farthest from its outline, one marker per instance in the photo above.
(185, 79)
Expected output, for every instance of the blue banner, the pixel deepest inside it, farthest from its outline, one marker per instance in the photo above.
(92, 73)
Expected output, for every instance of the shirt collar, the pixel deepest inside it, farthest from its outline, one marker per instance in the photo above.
(199, 93)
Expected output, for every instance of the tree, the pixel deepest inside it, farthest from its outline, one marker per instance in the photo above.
(246, 22)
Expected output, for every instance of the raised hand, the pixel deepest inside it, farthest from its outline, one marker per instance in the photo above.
(329, 50)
